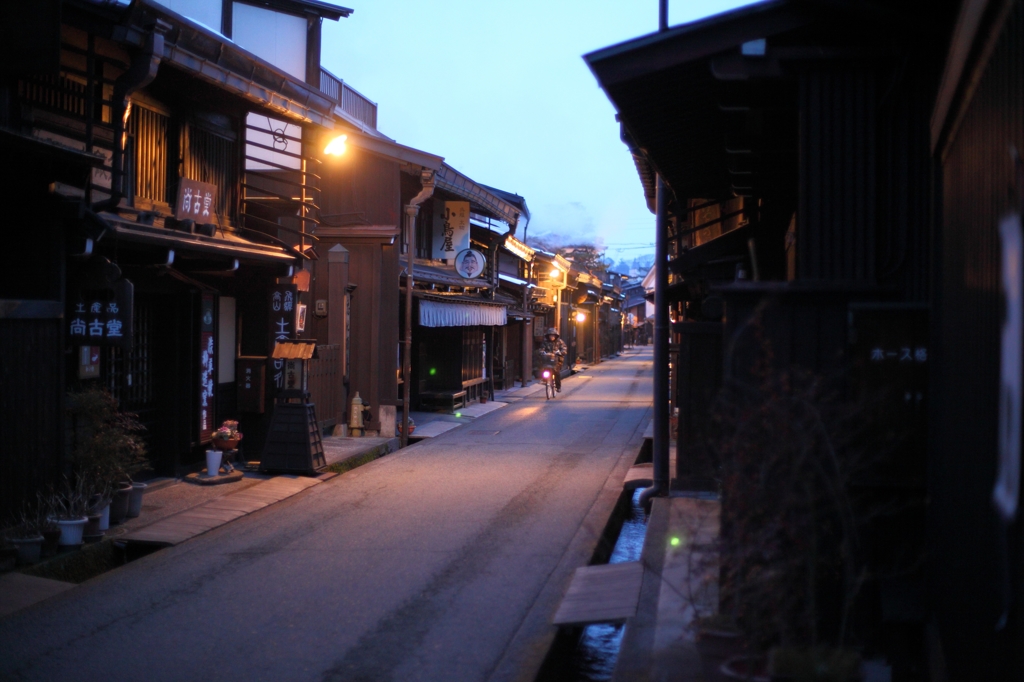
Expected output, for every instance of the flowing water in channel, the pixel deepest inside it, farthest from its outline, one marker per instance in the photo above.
(591, 656)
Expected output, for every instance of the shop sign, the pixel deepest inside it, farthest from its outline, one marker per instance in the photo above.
(470, 263)
(284, 323)
(102, 316)
(196, 201)
(451, 228)
(207, 360)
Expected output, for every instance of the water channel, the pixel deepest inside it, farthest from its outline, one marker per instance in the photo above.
(588, 654)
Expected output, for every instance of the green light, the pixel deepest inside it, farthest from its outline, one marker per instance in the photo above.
(433, 371)
(674, 542)
(458, 414)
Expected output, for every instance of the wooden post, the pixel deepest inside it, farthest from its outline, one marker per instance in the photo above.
(337, 283)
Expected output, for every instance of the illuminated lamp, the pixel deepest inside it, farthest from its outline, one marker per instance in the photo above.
(336, 147)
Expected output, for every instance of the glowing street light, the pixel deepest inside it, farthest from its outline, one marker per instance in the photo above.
(581, 316)
(555, 273)
(336, 147)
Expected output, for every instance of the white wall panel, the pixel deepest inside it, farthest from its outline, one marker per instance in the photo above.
(276, 37)
(206, 12)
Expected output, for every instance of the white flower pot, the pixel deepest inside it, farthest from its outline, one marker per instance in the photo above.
(213, 462)
(71, 531)
(105, 517)
(135, 502)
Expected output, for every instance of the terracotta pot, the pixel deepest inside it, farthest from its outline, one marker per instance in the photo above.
(135, 501)
(29, 549)
(225, 445)
(119, 505)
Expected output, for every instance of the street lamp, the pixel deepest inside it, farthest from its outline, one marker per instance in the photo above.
(336, 147)
(555, 273)
(581, 316)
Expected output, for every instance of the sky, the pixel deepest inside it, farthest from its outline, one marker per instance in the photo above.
(500, 90)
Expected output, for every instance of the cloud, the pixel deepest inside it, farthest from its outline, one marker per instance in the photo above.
(566, 223)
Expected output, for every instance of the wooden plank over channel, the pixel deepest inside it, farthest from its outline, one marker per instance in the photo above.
(605, 593)
(215, 513)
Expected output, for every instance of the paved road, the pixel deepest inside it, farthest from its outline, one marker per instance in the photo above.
(444, 561)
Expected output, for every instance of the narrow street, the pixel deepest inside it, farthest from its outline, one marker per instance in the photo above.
(444, 561)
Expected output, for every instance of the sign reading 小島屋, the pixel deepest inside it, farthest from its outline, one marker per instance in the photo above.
(196, 201)
(451, 228)
(102, 316)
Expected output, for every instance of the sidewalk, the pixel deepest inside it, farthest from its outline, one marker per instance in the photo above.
(174, 510)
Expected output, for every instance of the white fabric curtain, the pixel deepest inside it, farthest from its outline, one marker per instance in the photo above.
(442, 314)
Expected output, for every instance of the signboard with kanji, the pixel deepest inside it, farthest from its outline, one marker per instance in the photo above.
(251, 373)
(101, 317)
(207, 359)
(284, 310)
(451, 228)
(196, 201)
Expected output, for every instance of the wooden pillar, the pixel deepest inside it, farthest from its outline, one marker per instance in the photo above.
(337, 283)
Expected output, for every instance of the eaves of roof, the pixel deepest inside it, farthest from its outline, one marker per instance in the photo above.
(211, 57)
(481, 199)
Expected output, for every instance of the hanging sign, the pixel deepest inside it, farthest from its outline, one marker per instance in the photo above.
(206, 368)
(284, 313)
(1006, 493)
(102, 316)
(196, 201)
(470, 263)
(451, 228)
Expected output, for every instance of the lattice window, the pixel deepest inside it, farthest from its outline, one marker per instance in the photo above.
(147, 130)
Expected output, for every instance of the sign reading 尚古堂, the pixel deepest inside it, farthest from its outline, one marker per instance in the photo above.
(207, 358)
(196, 201)
(284, 309)
(102, 317)
(451, 228)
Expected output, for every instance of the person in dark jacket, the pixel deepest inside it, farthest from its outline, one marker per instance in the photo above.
(554, 345)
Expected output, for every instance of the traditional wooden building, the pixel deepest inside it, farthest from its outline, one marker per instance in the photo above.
(459, 310)
(175, 176)
(841, 183)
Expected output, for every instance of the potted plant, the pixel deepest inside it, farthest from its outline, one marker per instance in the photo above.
(225, 440)
(27, 536)
(227, 437)
(71, 504)
(790, 446)
(107, 447)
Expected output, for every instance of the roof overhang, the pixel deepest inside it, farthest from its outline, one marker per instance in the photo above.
(671, 90)
(211, 57)
(480, 198)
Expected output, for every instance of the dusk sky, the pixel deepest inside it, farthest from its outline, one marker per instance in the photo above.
(500, 89)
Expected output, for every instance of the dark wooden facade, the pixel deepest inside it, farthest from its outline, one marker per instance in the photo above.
(874, 170)
(101, 134)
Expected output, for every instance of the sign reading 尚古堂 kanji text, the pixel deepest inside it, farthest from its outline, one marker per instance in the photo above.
(101, 317)
(196, 201)
(284, 309)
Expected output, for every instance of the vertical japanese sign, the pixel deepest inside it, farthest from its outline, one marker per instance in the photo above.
(1006, 493)
(196, 201)
(284, 299)
(102, 317)
(207, 359)
(451, 228)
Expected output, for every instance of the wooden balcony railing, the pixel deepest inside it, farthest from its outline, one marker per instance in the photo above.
(351, 101)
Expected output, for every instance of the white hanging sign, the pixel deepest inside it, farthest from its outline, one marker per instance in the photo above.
(451, 228)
